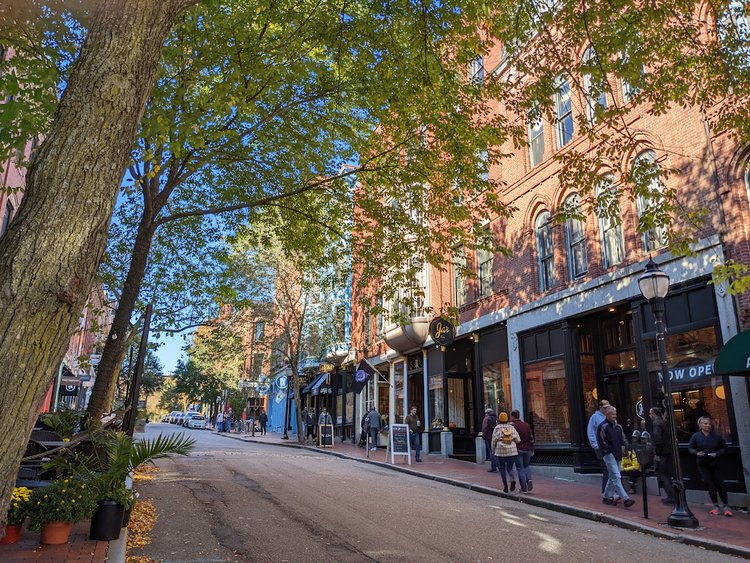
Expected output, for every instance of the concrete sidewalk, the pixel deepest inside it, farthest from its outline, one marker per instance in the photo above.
(717, 533)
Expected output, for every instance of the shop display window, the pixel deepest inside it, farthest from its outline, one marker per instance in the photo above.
(435, 396)
(696, 390)
(547, 401)
(497, 393)
(588, 384)
(383, 401)
(398, 388)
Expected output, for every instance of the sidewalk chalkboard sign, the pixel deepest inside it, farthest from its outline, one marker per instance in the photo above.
(325, 433)
(398, 442)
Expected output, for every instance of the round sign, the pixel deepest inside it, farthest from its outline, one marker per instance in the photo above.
(442, 331)
(360, 375)
(70, 388)
(639, 410)
(282, 381)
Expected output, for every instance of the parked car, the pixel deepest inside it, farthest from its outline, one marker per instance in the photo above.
(198, 421)
(188, 416)
(165, 418)
(179, 417)
(173, 417)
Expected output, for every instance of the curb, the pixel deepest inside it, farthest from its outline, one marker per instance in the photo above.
(116, 548)
(578, 512)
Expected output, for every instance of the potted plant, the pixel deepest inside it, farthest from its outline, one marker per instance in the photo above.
(123, 455)
(19, 505)
(55, 509)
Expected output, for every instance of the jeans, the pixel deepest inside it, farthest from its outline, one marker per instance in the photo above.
(506, 463)
(374, 437)
(524, 466)
(490, 454)
(614, 485)
(416, 444)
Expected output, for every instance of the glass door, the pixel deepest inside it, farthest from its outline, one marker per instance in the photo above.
(624, 392)
(460, 413)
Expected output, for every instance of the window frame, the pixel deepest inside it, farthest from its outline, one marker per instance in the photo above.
(545, 260)
(564, 90)
(608, 225)
(589, 56)
(476, 70)
(657, 234)
(460, 287)
(485, 272)
(536, 138)
(575, 238)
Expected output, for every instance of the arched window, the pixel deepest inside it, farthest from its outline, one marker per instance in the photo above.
(594, 88)
(575, 232)
(563, 111)
(610, 223)
(734, 32)
(646, 177)
(545, 250)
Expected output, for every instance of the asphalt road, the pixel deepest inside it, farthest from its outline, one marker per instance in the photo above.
(235, 501)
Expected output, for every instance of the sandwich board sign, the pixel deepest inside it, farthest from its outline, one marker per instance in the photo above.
(325, 433)
(398, 442)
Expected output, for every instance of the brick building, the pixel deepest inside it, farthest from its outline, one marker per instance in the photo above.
(561, 323)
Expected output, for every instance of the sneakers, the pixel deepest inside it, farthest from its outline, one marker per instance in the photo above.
(714, 511)
(609, 501)
(419, 460)
(373, 449)
(628, 502)
(529, 485)
(512, 485)
(727, 512)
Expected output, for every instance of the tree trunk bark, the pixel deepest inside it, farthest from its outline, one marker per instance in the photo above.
(50, 253)
(116, 345)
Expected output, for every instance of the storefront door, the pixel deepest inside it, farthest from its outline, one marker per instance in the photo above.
(461, 413)
(624, 392)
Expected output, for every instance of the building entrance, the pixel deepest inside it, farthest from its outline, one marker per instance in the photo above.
(624, 392)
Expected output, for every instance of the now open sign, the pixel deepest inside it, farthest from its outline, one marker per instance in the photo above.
(691, 373)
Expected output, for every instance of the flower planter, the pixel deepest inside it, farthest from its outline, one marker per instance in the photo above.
(126, 517)
(12, 533)
(106, 521)
(56, 533)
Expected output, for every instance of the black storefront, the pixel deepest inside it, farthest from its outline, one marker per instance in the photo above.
(611, 354)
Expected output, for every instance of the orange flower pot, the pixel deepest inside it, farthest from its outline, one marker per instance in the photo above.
(56, 533)
(12, 533)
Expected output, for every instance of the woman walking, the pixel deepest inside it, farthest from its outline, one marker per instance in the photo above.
(707, 446)
(504, 440)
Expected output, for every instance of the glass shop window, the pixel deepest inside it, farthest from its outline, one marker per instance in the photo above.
(547, 401)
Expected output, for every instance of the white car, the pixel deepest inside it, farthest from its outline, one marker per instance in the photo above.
(188, 416)
(198, 421)
(173, 417)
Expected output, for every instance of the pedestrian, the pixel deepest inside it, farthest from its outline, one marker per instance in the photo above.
(325, 417)
(708, 445)
(263, 420)
(612, 440)
(488, 425)
(373, 427)
(663, 453)
(220, 422)
(525, 449)
(309, 420)
(243, 424)
(364, 430)
(504, 443)
(596, 419)
(415, 427)
(228, 418)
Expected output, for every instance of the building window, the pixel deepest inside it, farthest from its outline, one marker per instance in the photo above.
(483, 157)
(547, 400)
(594, 89)
(367, 328)
(379, 318)
(536, 137)
(7, 216)
(608, 211)
(545, 251)
(734, 31)
(476, 70)
(260, 331)
(257, 365)
(575, 231)
(436, 400)
(459, 276)
(485, 260)
(497, 391)
(630, 90)
(563, 112)
(646, 178)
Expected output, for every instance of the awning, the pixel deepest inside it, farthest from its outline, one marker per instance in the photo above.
(734, 357)
(314, 382)
(315, 389)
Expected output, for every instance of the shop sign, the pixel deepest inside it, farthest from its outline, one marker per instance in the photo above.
(639, 410)
(443, 332)
(689, 374)
(282, 382)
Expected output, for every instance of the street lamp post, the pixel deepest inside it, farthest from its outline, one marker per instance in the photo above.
(654, 285)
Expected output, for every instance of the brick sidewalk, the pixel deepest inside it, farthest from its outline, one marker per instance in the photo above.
(80, 549)
(581, 499)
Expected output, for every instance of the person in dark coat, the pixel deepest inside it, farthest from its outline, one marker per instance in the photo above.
(707, 445)
(663, 454)
(611, 441)
(373, 426)
(525, 449)
(488, 425)
(263, 419)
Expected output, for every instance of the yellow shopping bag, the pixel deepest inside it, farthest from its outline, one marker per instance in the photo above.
(629, 463)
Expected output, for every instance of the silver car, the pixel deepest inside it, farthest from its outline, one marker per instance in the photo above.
(197, 421)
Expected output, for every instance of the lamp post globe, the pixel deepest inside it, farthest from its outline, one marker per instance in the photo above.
(654, 285)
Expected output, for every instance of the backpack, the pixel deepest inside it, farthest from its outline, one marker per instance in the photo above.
(506, 436)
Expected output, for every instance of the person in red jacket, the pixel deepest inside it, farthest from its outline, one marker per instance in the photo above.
(525, 449)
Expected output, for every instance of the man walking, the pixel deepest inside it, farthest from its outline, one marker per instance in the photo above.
(373, 424)
(525, 449)
(663, 453)
(263, 420)
(488, 425)
(220, 422)
(309, 420)
(415, 427)
(596, 419)
(612, 440)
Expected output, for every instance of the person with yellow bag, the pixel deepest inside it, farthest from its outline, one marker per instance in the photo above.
(612, 441)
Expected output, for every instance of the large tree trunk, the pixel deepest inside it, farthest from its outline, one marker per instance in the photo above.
(50, 253)
(117, 342)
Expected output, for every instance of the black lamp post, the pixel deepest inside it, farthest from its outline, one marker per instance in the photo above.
(654, 285)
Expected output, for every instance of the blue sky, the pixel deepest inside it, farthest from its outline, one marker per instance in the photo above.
(171, 350)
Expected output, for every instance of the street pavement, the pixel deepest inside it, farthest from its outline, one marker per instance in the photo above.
(242, 501)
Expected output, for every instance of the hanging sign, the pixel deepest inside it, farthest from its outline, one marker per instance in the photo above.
(442, 331)
(398, 442)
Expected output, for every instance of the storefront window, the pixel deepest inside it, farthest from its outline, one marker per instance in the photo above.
(456, 403)
(349, 415)
(337, 417)
(437, 410)
(497, 394)
(384, 401)
(588, 383)
(696, 391)
(398, 389)
(618, 361)
(547, 400)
